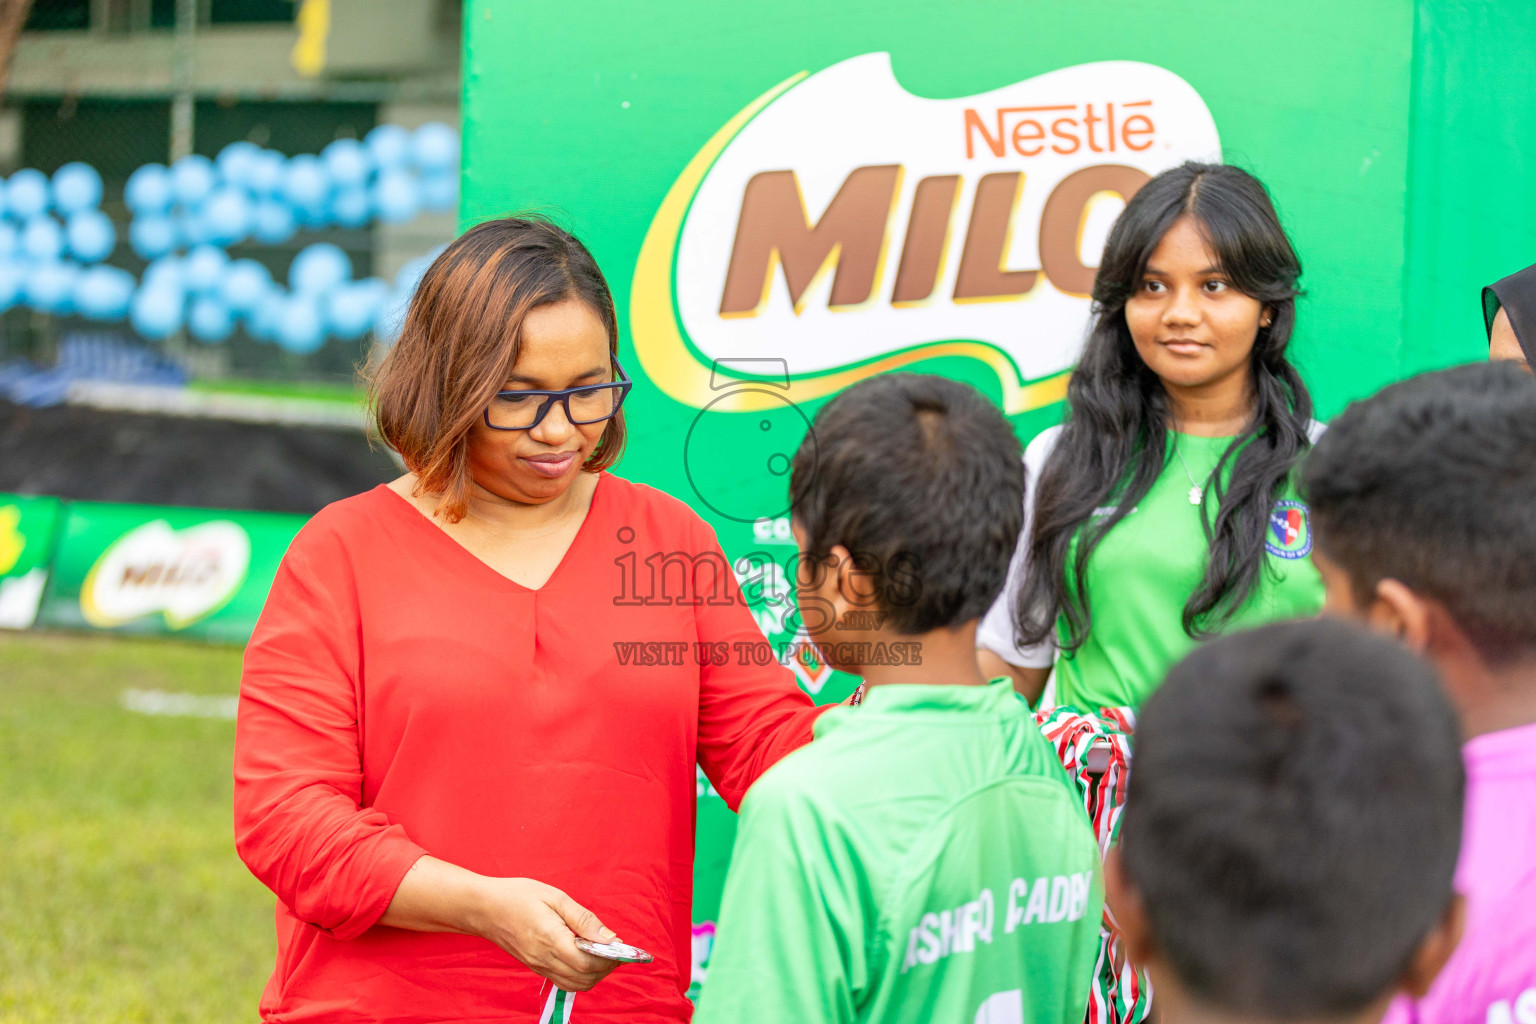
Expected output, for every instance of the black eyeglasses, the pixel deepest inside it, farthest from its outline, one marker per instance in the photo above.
(524, 410)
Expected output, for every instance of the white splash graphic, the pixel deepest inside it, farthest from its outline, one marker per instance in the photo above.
(1119, 114)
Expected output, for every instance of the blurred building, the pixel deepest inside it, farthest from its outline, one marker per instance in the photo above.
(122, 83)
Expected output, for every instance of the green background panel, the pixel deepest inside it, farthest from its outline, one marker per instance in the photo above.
(1472, 175)
(1312, 97)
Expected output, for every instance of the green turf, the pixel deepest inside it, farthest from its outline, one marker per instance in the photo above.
(121, 898)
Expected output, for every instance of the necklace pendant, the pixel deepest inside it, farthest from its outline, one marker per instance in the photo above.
(1196, 495)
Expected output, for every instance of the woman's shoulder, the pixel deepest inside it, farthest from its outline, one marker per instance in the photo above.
(633, 498)
(365, 505)
(350, 521)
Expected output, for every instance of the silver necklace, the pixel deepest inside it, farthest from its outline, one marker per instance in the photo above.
(1196, 491)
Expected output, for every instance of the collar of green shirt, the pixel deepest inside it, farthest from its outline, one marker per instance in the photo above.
(997, 697)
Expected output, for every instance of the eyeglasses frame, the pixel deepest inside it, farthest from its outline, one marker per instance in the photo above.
(563, 397)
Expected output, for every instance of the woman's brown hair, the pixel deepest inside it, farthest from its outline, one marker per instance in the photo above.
(461, 337)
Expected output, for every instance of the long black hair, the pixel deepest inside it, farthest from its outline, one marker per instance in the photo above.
(1113, 446)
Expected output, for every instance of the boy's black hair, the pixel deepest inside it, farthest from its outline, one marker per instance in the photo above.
(921, 478)
(1432, 482)
(1294, 817)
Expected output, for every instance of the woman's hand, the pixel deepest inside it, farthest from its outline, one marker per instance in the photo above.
(536, 923)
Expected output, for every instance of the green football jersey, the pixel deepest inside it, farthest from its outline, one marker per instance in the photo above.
(1145, 569)
(1142, 573)
(922, 860)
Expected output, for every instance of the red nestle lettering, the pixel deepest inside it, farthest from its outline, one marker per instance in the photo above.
(1064, 135)
(1127, 131)
(1027, 131)
(1080, 125)
(973, 120)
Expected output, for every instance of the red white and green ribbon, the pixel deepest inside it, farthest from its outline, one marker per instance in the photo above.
(1095, 750)
(557, 1008)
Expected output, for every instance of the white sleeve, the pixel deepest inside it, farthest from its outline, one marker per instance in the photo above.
(996, 632)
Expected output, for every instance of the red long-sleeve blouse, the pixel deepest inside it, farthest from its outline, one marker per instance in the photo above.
(401, 698)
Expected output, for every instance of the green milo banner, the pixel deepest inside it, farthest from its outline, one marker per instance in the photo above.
(787, 199)
(194, 573)
(28, 531)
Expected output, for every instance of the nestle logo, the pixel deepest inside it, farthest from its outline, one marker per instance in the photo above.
(1066, 127)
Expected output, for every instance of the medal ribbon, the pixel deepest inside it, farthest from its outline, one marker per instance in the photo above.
(557, 1008)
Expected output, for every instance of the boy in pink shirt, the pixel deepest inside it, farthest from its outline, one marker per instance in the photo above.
(1424, 502)
(1291, 833)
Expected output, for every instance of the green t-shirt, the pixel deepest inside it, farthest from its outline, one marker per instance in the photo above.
(924, 859)
(1144, 570)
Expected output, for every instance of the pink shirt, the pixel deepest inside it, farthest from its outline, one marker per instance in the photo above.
(1491, 979)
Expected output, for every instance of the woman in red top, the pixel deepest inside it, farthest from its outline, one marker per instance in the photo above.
(446, 767)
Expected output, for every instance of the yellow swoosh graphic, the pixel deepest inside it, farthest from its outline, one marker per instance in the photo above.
(666, 359)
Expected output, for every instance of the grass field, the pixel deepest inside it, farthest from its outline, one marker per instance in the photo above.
(121, 898)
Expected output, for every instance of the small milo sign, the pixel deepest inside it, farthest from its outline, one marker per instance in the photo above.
(142, 569)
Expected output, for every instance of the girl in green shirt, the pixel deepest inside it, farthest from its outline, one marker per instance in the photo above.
(1162, 510)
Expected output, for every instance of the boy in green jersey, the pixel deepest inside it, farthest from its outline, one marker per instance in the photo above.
(1292, 829)
(925, 858)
